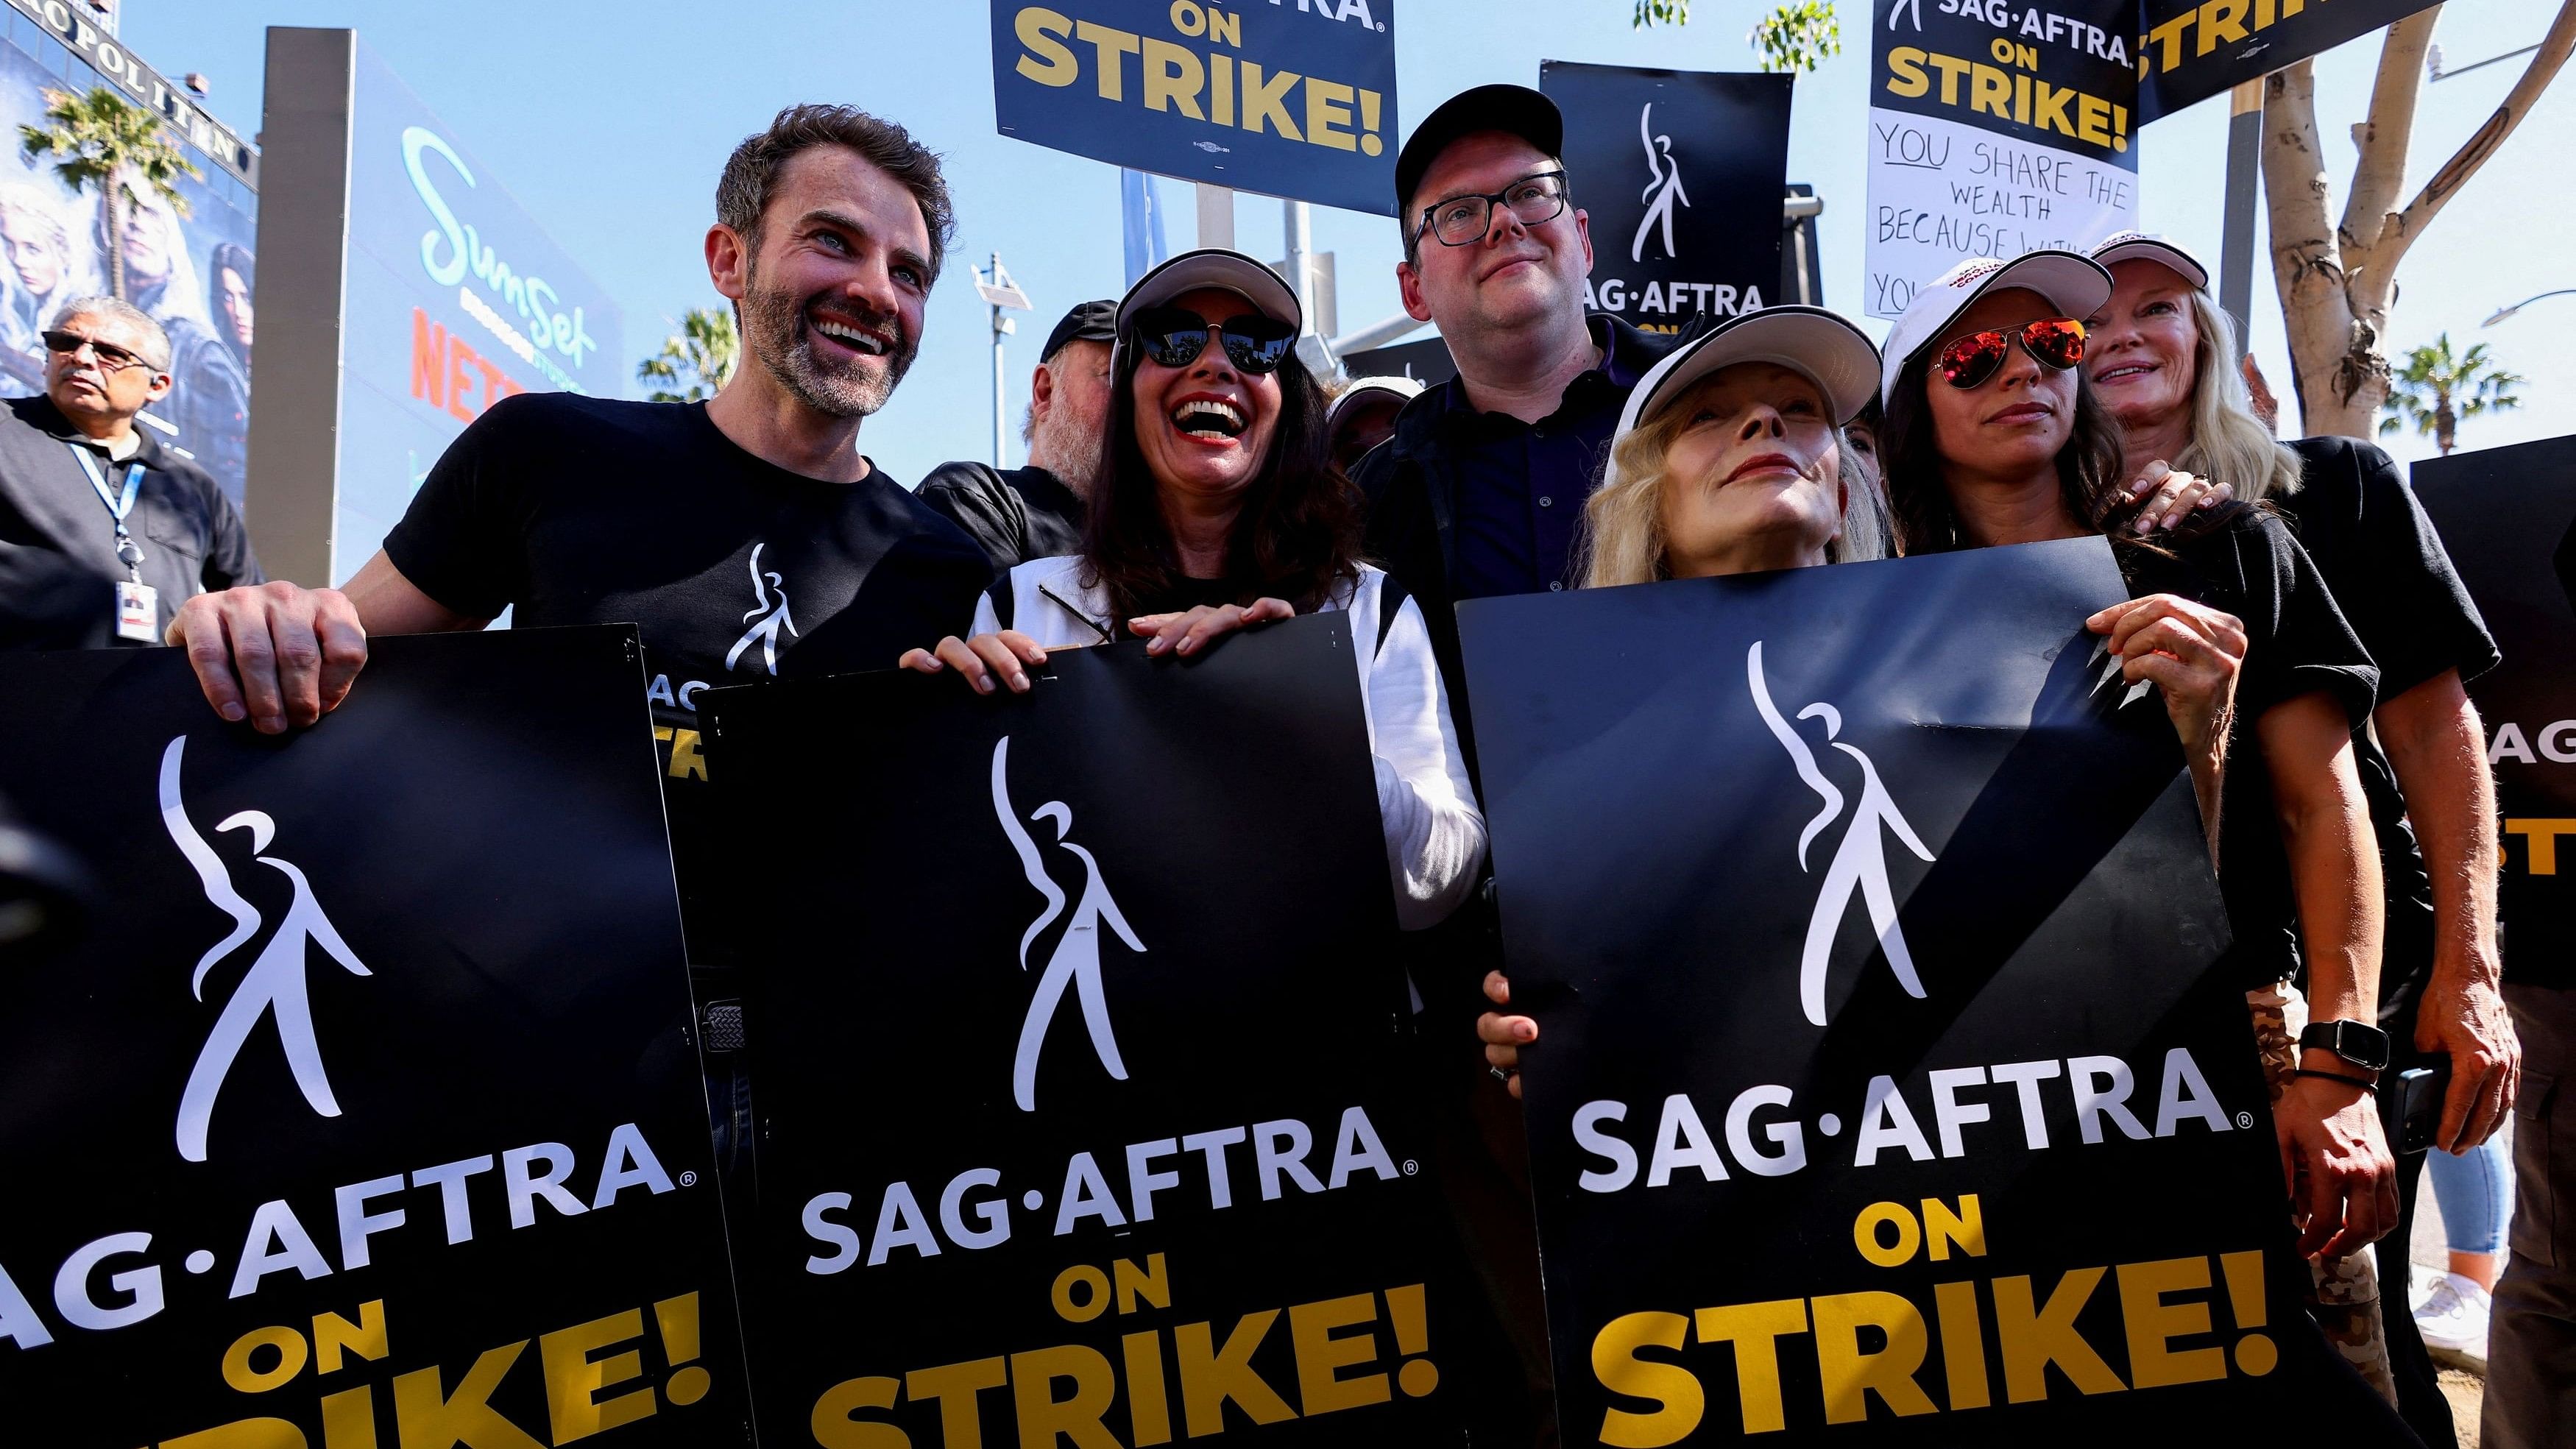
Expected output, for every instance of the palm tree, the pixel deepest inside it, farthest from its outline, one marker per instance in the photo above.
(702, 354)
(2436, 391)
(105, 142)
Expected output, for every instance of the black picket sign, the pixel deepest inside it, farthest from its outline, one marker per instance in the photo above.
(362, 1107)
(1884, 1091)
(1682, 172)
(2189, 50)
(1076, 1017)
(2508, 516)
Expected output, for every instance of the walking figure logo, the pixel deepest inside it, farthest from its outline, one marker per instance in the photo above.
(275, 982)
(772, 616)
(1662, 192)
(1860, 861)
(1075, 965)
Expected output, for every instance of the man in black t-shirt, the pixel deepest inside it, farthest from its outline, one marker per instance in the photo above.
(1038, 511)
(747, 536)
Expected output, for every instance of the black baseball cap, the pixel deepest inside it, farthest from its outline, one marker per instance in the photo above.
(1087, 322)
(1514, 110)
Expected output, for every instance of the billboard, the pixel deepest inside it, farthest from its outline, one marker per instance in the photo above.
(192, 268)
(433, 295)
(454, 299)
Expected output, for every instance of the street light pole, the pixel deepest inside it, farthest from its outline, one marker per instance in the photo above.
(2525, 302)
(1002, 295)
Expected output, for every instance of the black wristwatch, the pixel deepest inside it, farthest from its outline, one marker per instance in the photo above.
(2362, 1045)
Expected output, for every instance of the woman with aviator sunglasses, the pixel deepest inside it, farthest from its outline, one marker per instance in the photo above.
(1993, 436)
(1218, 507)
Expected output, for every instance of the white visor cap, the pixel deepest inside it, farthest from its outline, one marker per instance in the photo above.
(2074, 284)
(1819, 345)
(2139, 246)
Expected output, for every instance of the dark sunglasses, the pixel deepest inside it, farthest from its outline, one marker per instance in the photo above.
(1175, 336)
(110, 356)
(1968, 361)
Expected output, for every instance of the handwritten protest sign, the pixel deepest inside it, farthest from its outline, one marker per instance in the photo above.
(1994, 129)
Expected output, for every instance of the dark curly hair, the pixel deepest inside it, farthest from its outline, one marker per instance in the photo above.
(1297, 538)
(2088, 467)
(751, 172)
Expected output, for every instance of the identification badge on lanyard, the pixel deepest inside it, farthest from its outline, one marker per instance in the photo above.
(138, 613)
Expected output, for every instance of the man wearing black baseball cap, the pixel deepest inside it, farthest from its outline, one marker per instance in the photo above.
(1481, 489)
(1037, 511)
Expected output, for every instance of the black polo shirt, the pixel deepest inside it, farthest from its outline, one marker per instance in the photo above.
(1521, 486)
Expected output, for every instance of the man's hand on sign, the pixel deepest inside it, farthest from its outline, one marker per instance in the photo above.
(981, 659)
(2462, 1014)
(1190, 632)
(1504, 1036)
(2342, 1182)
(2170, 497)
(272, 653)
(2188, 651)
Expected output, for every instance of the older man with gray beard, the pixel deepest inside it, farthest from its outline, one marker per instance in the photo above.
(1038, 511)
(748, 536)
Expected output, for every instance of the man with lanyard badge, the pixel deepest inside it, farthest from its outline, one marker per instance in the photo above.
(105, 532)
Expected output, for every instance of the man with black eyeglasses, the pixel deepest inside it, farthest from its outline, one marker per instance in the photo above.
(1481, 489)
(104, 530)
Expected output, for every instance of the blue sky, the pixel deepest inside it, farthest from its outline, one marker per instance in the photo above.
(609, 122)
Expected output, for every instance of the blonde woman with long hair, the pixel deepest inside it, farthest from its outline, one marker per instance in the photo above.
(2163, 360)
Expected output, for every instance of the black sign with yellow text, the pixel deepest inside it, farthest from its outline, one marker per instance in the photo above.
(364, 1110)
(1884, 1090)
(2190, 50)
(2508, 518)
(1076, 1016)
(1294, 100)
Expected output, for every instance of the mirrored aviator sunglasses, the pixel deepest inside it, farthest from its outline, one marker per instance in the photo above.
(1174, 337)
(1968, 361)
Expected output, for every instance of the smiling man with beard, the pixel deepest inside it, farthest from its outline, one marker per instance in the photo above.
(747, 536)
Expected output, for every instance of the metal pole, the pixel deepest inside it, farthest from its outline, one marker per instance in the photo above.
(1216, 216)
(2236, 233)
(1300, 223)
(999, 406)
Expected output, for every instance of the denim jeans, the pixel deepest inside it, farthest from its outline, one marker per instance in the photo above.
(2476, 1194)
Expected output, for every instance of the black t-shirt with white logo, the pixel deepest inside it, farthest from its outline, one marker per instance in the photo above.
(578, 510)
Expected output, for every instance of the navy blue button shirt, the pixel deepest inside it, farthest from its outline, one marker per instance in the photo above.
(1521, 486)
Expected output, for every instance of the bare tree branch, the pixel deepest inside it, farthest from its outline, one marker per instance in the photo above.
(2402, 229)
(2307, 266)
(2385, 134)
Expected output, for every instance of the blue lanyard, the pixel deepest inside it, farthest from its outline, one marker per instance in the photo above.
(117, 507)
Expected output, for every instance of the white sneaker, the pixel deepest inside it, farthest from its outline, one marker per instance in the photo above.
(2454, 1316)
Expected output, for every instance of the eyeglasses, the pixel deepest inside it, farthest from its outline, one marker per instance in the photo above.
(1175, 336)
(1968, 361)
(109, 355)
(1462, 220)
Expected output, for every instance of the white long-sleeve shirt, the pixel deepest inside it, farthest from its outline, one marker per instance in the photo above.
(1435, 835)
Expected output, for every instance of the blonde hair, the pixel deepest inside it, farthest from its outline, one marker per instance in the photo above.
(2228, 442)
(1623, 523)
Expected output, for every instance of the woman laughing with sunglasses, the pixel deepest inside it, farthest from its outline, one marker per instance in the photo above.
(1993, 436)
(1220, 507)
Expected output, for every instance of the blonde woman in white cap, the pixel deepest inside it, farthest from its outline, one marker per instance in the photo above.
(1994, 437)
(1218, 507)
(1730, 457)
(2163, 361)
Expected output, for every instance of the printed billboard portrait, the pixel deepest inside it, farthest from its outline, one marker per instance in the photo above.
(195, 274)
